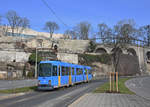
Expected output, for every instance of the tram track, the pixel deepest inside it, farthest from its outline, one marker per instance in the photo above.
(56, 98)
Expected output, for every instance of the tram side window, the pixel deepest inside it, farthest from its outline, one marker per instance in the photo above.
(67, 71)
(59, 71)
(85, 71)
(63, 70)
(80, 71)
(77, 71)
(89, 71)
(54, 73)
(72, 71)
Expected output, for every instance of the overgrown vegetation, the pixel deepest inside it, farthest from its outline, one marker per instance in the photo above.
(91, 46)
(30, 74)
(121, 84)
(88, 59)
(19, 90)
(32, 59)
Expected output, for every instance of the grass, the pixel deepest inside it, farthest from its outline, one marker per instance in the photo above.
(18, 90)
(121, 84)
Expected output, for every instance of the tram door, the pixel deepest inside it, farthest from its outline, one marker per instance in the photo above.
(70, 78)
(86, 70)
(59, 76)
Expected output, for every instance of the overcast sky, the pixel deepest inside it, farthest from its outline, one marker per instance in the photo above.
(74, 11)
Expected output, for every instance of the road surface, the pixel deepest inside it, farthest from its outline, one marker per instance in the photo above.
(140, 85)
(57, 98)
(10, 84)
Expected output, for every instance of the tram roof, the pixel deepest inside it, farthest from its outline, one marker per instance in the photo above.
(65, 64)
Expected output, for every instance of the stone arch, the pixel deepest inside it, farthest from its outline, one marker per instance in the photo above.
(148, 55)
(131, 51)
(100, 50)
(55, 47)
(119, 49)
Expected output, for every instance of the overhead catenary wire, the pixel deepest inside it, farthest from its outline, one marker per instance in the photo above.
(54, 13)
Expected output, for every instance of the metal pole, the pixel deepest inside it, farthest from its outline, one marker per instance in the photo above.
(117, 81)
(15, 49)
(36, 63)
(139, 56)
(110, 81)
(113, 80)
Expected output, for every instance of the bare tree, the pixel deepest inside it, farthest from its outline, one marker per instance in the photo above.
(24, 23)
(145, 33)
(94, 37)
(67, 34)
(126, 29)
(13, 20)
(118, 46)
(51, 27)
(123, 31)
(3, 28)
(109, 35)
(70, 34)
(16, 22)
(83, 30)
(102, 31)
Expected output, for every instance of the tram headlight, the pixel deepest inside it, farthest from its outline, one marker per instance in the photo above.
(49, 82)
(38, 82)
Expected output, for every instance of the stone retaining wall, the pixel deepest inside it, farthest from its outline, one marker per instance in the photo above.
(3, 75)
(65, 57)
(10, 56)
(73, 46)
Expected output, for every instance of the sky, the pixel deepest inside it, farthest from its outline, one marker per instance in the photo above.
(74, 11)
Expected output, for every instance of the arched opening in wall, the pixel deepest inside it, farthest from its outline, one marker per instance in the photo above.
(131, 51)
(116, 49)
(148, 55)
(55, 47)
(100, 50)
(148, 61)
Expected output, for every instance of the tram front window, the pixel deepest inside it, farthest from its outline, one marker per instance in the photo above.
(45, 70)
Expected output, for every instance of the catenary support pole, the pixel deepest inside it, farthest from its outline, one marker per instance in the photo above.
(113, 79)
(110, 81)
(36, 63)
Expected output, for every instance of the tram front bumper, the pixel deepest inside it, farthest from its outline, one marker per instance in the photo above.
(45, 87)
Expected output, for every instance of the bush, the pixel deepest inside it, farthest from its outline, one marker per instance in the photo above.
(105, 58)
(87, 59)
(30, 74)
(91, 46)
(32, 59)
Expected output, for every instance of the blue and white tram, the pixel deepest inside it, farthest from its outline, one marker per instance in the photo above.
(55, 74)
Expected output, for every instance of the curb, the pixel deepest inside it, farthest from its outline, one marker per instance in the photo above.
(5, 96)
(79, 99)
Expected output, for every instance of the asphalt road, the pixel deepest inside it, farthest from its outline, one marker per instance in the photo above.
(140, 85)
(57, 98)
(10, 84)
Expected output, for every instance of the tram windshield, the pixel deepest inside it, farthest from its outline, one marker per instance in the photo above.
(45, 70)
